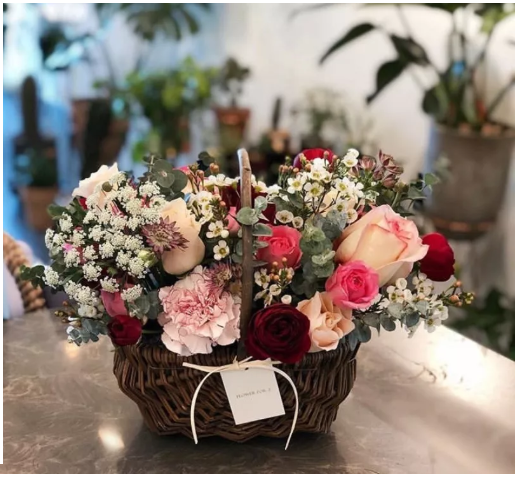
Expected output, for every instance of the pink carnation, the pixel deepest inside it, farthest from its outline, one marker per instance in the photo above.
(353, 285)
(194, 319)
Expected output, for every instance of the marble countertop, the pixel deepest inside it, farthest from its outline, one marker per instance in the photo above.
(437, 403)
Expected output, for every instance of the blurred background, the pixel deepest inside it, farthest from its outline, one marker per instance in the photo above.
(431, 84)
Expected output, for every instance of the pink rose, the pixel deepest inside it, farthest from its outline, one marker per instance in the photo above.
(233, 225)
(353, 285)
(196, 316)
(283, 243)
(113, 303)
(383, 240)
(328, 323)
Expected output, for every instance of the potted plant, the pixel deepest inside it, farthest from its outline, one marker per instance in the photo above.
(322, 118)
(464, 130)
(100, 124)
(232, 119)
(37, 183)
(168, 99)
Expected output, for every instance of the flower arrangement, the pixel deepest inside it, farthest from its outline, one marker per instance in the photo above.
(335, 256)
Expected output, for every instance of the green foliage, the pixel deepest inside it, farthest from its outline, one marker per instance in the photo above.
(33, 275)
(148, 20)
(356, 32)
(35, 169)
(492, 323)
(168, 98)
(89, 330)
(171, 181)
(231, 78)
(386, 74)
(455, 99)
(247, 216)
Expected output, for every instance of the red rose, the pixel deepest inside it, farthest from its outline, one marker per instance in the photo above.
(124, 330)
(231, 197)
(283, 243)
(280, 332)
(438, 264)
(311, 154)
(82, 203)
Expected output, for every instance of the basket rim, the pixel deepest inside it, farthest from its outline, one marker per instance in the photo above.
(222, 355)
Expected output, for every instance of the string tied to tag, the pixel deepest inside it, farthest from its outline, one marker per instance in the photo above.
(235, 366)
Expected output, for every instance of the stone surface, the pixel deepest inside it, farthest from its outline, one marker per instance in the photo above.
(437, 403)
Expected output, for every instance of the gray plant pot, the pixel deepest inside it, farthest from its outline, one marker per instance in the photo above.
(465, 204)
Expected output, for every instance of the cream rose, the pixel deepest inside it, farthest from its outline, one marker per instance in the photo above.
(181, 260)
(87, 186)
(385, 241)
(328, 323)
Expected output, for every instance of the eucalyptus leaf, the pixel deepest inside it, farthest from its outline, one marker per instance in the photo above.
(165, 179)
(412, 319)
(363, 330)
(261, 230)
(395, 309)
(422, 306)
(180, 180)
(260, 203)
(387, 323)
(247, 216)
(371, 319)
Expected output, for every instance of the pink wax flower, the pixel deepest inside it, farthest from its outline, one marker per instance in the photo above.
(353, 285)
(195, 318)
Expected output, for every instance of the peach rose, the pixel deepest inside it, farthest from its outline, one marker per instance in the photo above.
(385, 241)
(181, 260)
(328, 323)
(87, 186)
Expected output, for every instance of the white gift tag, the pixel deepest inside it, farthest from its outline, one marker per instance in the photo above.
(253, 394)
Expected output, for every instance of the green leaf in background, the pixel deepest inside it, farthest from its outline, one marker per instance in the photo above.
(387, 73)
(430, 179)
(409, 51)
(56, 211)
(356, 32)
(431, 103)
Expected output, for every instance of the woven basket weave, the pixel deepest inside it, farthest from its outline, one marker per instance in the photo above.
(163, 389)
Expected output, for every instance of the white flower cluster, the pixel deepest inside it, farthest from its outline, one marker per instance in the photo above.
(132, 293)
(324, 189)
(287, 217)
(201, 205)
(271, 288)
(432, 309)
(88, 300)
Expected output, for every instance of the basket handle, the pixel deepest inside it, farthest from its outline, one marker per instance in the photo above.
(247, 255)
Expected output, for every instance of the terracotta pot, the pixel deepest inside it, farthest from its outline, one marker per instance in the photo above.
(35, 201)
(232, 124)
(465, 205)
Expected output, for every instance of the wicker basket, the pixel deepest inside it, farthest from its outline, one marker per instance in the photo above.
(163, 388)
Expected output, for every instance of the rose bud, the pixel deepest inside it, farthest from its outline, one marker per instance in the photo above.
(389, 182)
(367, 163)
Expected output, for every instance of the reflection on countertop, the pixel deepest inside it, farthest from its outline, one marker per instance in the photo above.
(437, 403)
